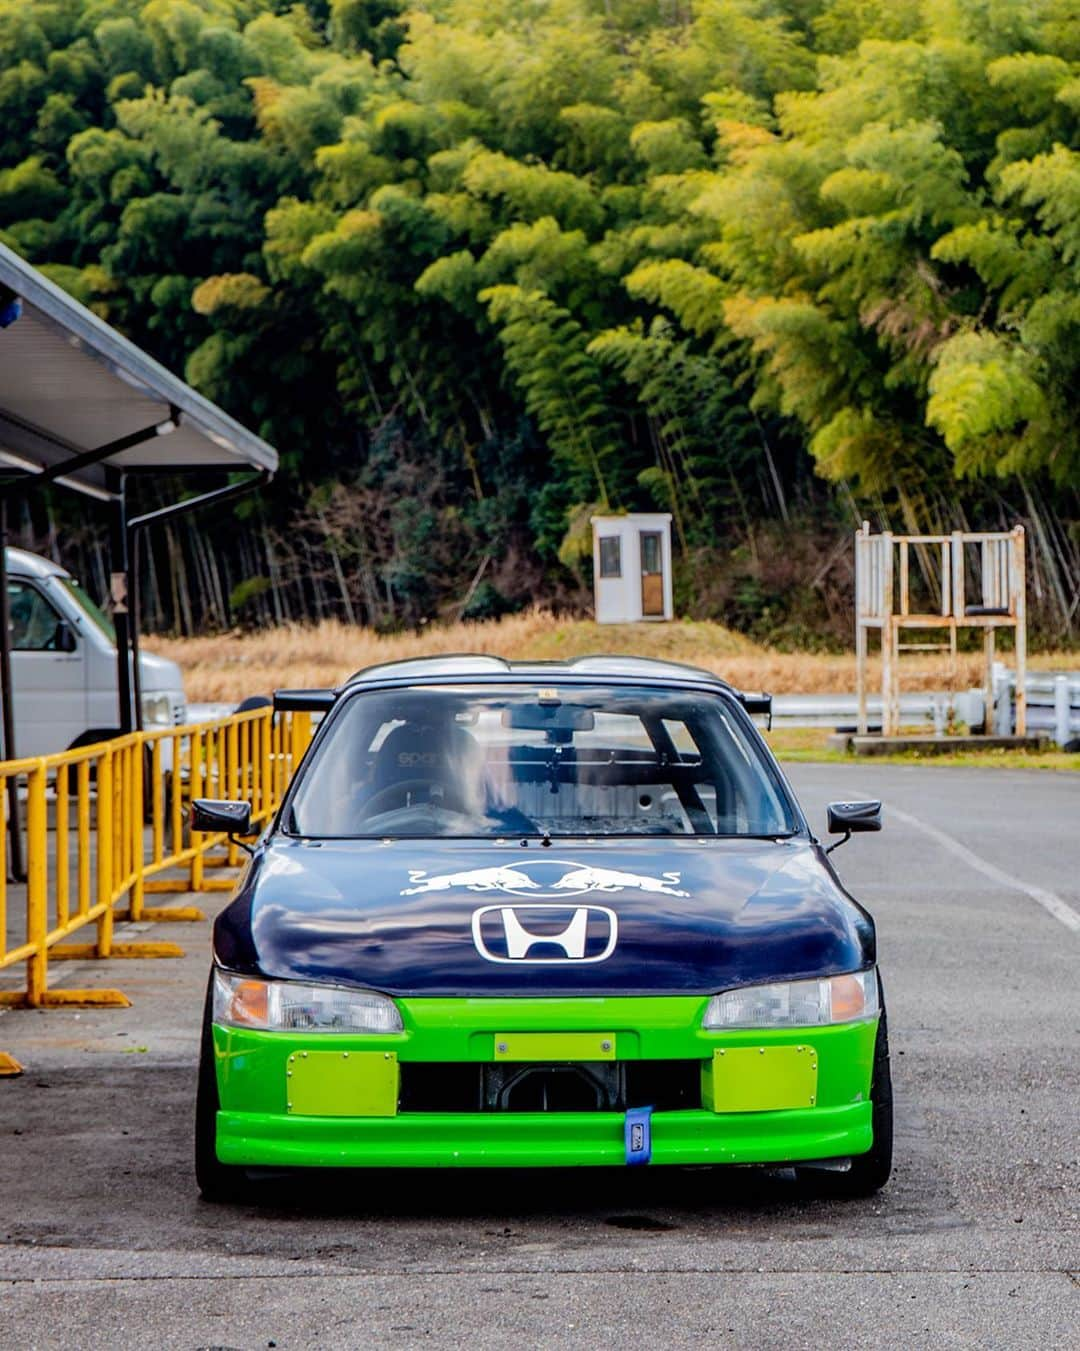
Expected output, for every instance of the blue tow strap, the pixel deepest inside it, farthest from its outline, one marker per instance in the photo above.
(638, 1135)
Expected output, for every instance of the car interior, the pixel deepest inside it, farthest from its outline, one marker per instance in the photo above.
(439, 762)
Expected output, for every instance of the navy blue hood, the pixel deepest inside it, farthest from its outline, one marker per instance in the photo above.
(480, 918)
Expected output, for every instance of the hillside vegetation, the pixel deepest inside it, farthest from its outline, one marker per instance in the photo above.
(479, 267)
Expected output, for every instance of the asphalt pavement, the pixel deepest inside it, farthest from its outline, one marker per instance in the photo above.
(104, 1242)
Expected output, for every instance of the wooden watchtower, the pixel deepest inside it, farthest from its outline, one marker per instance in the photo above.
(883, 596)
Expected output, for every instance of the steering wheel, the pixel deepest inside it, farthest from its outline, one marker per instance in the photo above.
(395, 794)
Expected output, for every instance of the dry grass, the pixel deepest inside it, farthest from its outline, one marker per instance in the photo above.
(228, 667)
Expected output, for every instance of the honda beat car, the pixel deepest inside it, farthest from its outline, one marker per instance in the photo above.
(541, 914)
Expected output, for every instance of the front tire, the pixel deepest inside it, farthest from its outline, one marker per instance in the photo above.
(217, 1182)
(870, 1171)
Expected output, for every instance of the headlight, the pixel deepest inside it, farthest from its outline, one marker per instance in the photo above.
(156, 710)
(796, 1003)
(289, 1006)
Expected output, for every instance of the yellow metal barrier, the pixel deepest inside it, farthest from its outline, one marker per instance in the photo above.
(119, 831)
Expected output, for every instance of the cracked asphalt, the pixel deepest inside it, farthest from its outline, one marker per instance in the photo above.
(104, 1242)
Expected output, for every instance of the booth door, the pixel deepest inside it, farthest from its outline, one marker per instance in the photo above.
(652, 574)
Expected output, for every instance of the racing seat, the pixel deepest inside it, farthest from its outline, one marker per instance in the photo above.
(424, 762)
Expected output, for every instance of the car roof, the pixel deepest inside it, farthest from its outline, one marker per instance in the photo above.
(25, 564)
(464, 664)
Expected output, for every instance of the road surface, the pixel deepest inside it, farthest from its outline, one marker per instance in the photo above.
(103, 1242)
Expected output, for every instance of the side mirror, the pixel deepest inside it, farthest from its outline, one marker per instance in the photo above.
(64, 639)
(850, 818)
(214, 817)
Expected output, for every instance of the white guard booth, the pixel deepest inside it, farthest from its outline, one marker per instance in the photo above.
(632, 567)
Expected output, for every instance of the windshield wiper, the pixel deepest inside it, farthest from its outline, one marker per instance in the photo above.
(754, 835)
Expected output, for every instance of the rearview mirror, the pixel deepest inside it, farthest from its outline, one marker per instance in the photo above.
(850, 818)
(228, 818)
(549, 718)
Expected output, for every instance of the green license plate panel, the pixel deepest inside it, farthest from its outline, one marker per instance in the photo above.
(552, 1046)
(342, 1083)
(760, 1079)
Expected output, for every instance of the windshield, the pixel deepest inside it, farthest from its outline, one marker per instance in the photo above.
(95, 612)
(459, 761)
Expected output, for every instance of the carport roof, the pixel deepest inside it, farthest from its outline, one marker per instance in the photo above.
(70, 384)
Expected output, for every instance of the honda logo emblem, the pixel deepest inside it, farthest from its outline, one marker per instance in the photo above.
(544, 934)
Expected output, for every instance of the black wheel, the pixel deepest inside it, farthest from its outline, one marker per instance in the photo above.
(870, 1171)
(216, 1181)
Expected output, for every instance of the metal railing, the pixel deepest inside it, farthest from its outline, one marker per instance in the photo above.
(1052, 700)
(106, 825)
(1053, 707)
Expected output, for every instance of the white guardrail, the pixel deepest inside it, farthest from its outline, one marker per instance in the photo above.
(1053, 702)
(1053, 707)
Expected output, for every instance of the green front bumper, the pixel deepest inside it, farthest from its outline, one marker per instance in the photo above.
(258, 1126)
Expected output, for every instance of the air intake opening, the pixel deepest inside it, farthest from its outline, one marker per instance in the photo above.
(552, 1088)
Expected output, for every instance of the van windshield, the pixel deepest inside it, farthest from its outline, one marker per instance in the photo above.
(93, 611)
(461, 761)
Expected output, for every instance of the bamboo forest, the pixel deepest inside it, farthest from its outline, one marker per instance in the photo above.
(481, 268)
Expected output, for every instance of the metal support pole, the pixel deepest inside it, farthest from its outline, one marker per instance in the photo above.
(85, 459)
(958, 580)
(118, 594)
(140, 523)
(1019, 609)
(862, 608)
(889, 719)
(133, 622)
(861, 635)
(7, 694)
(202, 500)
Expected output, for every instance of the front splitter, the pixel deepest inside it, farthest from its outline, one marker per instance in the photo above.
(538, 1140)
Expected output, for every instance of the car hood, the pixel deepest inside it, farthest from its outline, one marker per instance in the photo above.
(420, 917)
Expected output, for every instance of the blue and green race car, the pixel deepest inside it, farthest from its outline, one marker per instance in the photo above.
(541, 914)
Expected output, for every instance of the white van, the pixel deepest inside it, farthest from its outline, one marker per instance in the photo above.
(63, 664)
